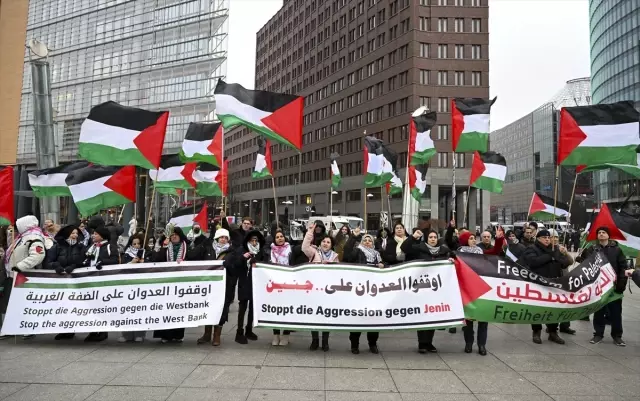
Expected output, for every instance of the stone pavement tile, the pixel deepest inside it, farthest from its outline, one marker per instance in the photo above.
(287, 378)
(400, 344)
(6, 389)
(624, 384)
(413, 360)
(179, 355)
(511, 347)
(280, 356)
(591, 363)
(491, 382)
(207, 394)
(28, 370)
(555, 383)
(376, 380)
(513, 397)
(125, 393)
(53, 392)
(345, 359)
(128, 354)
(86, 373)
(222, 376)
(589, 398)
(631, 362)
(439, 397)
(428, 381)
(570, 348)
(279, 395)
(361, 396)
(8, 353)
(474, 362)
(224, 356)
(533, 363)
(140, 374)
(607, 348)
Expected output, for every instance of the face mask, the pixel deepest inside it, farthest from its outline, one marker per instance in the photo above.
(196, 230)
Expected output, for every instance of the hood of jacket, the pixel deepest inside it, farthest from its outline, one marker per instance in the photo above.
(27, 222)
(251, 233)
(95, 222)
(63, 234)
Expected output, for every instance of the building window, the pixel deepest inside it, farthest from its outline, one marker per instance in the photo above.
(443, 78)
(372, 22)
(476, 52)
(442, 51)
(459, 3)
(459, 50)
(476, 25)
(354, 195)
(424, 24)
(475, 3)
(442, 25)
(458, 78)
(443, 159)
(424, 50)
(425, 101)
(424, 77)
(443, 132)
(459, 160)
(442, 2)
(459, 25)
(443, 105)
(476, 78)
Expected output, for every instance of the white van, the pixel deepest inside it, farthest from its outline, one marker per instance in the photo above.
(335, 223)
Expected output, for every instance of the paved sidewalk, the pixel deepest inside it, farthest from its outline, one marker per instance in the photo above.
(515, 370)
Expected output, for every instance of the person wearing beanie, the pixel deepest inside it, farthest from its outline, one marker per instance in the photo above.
(612, 310)
(548, 261)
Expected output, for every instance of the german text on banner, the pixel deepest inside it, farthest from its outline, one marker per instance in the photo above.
(117, 298)
(412, 295)
(510, 293)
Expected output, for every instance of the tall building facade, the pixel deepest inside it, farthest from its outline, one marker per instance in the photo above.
(530, 146)
(364, 65)
(615, 72)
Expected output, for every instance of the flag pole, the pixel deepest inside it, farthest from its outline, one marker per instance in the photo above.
(153, 197)
(573, 194)
(453, 188)
(330, 200)
(275, 201)
(555, 197)
(390, 216)
(382, 204)
(466, 208)
(364, 133)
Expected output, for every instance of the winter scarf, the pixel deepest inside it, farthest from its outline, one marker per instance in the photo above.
(399, 241)
(253, 250)
(133, 252)
(433, 250)
(280, 254)
(470, 249)
(327, 256)
(372, 256)
(71, 242)
(94, 251)
(219, 248)
(12, 247)
(176, 252)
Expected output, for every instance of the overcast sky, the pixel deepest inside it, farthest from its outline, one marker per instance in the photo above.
(535, 47)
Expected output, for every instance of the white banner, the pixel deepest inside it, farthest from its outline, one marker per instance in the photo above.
(132, 297)
(412, 295)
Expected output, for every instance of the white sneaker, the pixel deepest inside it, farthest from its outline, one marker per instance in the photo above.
(164, 341)
(276, 340)
(122, 339)
(284, 340)
(139, 339)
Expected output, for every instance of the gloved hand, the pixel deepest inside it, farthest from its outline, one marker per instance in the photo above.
(60, 270)
(98, 265)
(15, 269)
(70, 269)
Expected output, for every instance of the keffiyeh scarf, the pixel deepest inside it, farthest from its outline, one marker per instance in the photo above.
(372, 256)
(176, 252)
(133, 252)
(280, 254)
(470, 249)
(218, 248)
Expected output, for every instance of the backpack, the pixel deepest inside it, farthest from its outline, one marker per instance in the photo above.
(50, 254)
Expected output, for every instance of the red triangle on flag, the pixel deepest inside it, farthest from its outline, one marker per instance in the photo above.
(215, 147)
(412, 177)
(7, 207)
(536, 205)
(287, 122)
(151, 140)
(123, 182)
(187, 173)
(413, 137)
(20, 280)
(570, 135)
(202, 218)
(267, 157)
(477, 168)
(222, 178)
(604, 219)
(580, 168)
(457, 124)
(472, 286)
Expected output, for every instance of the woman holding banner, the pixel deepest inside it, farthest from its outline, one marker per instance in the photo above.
(250, 252)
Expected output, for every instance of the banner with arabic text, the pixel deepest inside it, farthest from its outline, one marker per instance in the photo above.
(132, 297)
(413, 295)
(510, 293)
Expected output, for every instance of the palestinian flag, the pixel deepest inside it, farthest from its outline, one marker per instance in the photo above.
(390, 163)
(627, 168)
(421, 146)
(623, 228)
(336, 178)
(395, 185)
(224, 177)
(599, 134)
(277, 116)
(263, 167)
(203, 144)
(99, 187)
(470, 123)
(185, 217)
(488, 171)
(374, 163)
(208, 180)
(418, 180)
(116, 135)
(173, 174)
(541, 208)
(7, 215)
(51, 181)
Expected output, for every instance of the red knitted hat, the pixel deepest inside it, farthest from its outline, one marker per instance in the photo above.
(463, 238)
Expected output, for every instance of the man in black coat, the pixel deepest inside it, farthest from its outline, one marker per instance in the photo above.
(548, 261)
(613, 310)
(238, 235)
(529, 238)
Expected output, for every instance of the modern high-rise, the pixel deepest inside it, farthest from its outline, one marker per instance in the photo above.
(615, 76)
(364, 65)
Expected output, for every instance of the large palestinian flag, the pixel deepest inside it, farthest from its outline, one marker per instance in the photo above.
(542, 208)
(51, 181)
(418, 180)
(395, 185)
(203, 143)
(264, 166)
(336, 178)
(623, 228)
(173, 174)
(470, 124)
(627, 168)
(7, 215)
(598, 134)
(374, 162)
(208, 180)
(421, 146)
(116, 135)
(99, 187)
(185, 217)
(277, 116)
(488, 171)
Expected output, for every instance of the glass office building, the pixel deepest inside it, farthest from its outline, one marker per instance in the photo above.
(153, 54)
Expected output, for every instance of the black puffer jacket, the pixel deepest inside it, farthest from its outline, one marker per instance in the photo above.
(616, 258)
(418, 250)
(354, 255)
(378, 244)
(241, 265)
(68, 257)
(547, 261)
